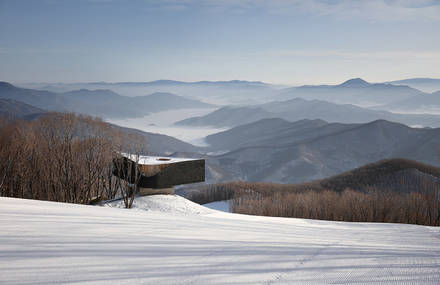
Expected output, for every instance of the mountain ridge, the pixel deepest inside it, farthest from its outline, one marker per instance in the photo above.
(299, 108)
(353, 91)
(13, 109)
(99, 102)
(424, 84)
(321, 151)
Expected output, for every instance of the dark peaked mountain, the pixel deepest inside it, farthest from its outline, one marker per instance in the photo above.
(355, 83)
(354, 91)
(101, 102)
(309, 150)
(298, 109)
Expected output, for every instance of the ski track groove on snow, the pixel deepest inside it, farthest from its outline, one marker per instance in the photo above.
(298, 264)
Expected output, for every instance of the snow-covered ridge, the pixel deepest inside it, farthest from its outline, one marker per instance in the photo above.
(47, 242)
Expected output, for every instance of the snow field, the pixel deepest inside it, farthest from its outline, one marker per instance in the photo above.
(178, 243)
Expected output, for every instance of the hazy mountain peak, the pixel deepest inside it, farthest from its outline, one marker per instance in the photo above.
(355, 82)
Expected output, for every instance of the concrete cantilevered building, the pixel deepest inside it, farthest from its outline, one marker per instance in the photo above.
(157, 174)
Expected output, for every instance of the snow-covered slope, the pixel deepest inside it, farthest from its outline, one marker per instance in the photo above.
(46, 243)
(169, 204)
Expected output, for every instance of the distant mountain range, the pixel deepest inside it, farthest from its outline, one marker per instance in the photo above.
(428, 85)
(297, 109)
(105, 103)
(354, 91)
(231, 83)
(274, 150)
(271, 149)
(214, 92)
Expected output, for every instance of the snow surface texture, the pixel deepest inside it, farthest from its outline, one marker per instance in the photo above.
(47, 243)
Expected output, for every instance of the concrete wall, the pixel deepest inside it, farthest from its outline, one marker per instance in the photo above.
(151, 191)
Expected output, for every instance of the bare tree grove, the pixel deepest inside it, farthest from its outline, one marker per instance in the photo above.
(62, 157)
(349, 205)
(402, 197)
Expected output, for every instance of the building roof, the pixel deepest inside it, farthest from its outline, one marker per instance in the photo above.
(155, 160)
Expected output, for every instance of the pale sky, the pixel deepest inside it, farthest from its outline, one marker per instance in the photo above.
(277, 41)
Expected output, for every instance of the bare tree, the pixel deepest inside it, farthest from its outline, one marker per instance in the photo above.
(128, 168)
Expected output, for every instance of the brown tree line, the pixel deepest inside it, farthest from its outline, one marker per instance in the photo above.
(404, 196)
(349, 205)
(63, 157)
(226, 191)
